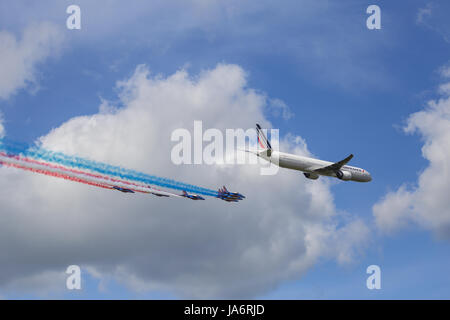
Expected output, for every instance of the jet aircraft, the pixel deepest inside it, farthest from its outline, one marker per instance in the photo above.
(311, 168)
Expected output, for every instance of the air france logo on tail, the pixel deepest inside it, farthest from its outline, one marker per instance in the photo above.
(263, 142)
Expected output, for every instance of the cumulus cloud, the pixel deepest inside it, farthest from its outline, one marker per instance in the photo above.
(19, 57)
(425, 203)
(192, 249)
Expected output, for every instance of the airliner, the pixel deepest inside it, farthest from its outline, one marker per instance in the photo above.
(311, 168)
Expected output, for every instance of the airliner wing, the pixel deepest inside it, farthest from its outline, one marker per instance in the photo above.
(335, 166)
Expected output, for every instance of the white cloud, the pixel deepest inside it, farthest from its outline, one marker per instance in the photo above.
(279, 109)
(350, 241)
(434, 17)
(445, 71)
(19, 57)
(189, 248)
(2, 128)
(427, 203)
(424, 13)
(444, 89)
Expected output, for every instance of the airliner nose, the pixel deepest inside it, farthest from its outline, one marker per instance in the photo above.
(368, 176)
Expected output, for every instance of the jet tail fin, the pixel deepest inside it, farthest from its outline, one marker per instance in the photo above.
(263, 143)
(262, 140)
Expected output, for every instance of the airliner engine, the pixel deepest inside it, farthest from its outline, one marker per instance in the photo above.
(312, 176)
(343, 175)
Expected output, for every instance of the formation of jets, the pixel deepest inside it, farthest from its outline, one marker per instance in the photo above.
(103, 181)
(224, 194)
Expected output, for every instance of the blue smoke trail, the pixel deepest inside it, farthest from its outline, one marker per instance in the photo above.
(35, 152)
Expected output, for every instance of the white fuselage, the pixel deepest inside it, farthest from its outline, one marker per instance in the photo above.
(308, 165)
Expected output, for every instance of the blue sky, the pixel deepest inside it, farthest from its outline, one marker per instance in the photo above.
(351, 90)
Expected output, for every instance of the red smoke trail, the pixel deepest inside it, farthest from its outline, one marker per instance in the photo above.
(57, 175)
(59, 167)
